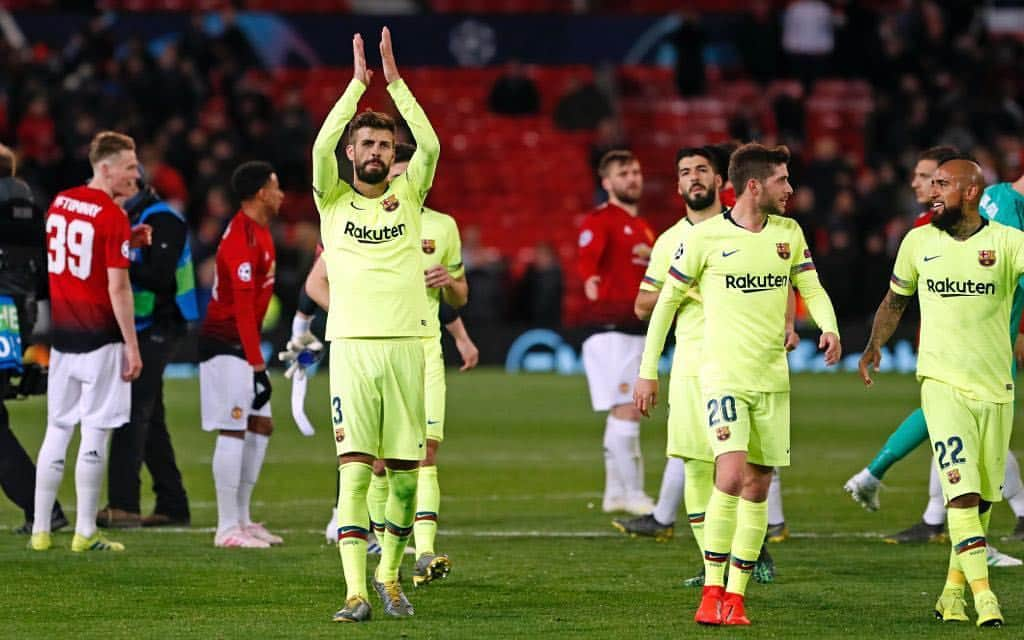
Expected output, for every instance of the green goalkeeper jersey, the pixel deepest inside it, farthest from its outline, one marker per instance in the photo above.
(690, 318)
(441, 245)
(372, 246)
(965, 290)
(744, 279)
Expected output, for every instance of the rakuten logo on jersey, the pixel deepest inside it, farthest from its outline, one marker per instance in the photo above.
(949, 288)
(367, 235)
(749, 283)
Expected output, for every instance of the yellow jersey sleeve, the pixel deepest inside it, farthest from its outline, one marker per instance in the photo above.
(327, 185)
(420, 174)
(804, 277)
(903, 280)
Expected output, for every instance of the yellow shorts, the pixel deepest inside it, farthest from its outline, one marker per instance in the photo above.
(435, 388)
(377, 397)
(969, 439)
(756, 422)
(686, 435)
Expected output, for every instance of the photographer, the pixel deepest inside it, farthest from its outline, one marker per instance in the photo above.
(22, 284)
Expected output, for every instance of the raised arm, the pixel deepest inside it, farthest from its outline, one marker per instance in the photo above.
(428, 147)
(326, 183)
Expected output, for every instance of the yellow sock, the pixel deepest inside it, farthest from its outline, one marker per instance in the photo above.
(751, 524)
(353, 525)
(376, 503)
(428, 501)
(700, 480)
(398, 525)
(719, 529)
(968, 539)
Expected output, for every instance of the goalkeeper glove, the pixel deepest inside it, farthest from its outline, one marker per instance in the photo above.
(301, 351)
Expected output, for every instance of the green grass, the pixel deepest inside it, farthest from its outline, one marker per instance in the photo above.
(521, 463)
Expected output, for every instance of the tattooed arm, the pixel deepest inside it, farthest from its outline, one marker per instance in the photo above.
(887, 318)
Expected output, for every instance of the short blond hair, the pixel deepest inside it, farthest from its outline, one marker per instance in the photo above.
(8, 162)
(108, 143)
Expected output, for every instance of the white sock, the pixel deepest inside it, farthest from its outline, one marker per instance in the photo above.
(866, 477)
(613, 487)
(775, 515)
(227, 474)
(625, 451)
(673, 480)
(1013, 489)
(89, 474)
(252, 461)
(49, 473)
(935, 512)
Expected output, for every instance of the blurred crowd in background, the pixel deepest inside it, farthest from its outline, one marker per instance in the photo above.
(914, 73)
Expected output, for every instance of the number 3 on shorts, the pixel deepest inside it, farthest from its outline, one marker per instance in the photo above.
(336, 404)
(726, 406)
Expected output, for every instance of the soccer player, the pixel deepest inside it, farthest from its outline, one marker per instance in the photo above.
(378, 316)
(743, 264)
(699, 182)
(234, 388)
(614, 250)
(1003, 203)
(964, 271)
(95, 353)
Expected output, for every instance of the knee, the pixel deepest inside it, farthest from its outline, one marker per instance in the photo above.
(379, 468)
(626, 412)
(430, 459)
(966, 502)
(261, 425)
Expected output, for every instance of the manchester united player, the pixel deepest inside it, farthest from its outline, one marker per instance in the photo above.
(233, 385)
(614, 250)
(95, 353)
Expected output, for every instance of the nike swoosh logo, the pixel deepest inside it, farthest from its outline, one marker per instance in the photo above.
(433, 421)
(930, 258)
(726, 254)
(355, 207)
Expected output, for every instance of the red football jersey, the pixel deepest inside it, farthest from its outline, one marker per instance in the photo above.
(617, 247)
(86, 234)
(243, 286)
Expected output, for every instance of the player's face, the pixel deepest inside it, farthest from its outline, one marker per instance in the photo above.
(946, 200)
(698, 183)
(397, 169)
(625, 182)
(372, 153)
(271, 194)
(122, 172)
(922, 180)
(775, 192)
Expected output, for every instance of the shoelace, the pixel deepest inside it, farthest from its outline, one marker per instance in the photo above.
(394, 591)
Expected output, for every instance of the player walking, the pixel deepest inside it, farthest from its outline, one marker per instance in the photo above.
(743, 264)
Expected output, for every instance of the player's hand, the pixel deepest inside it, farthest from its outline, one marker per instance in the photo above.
(132, 363)
(591, 288)
(645, 395)
(142, 236)
(792, 339)
(872, 357)
(260, 388)
(360, 72)
(387, 57)
(469, 353)
(437, 277)
(301, 351)
(1018, 349)
(829, 342)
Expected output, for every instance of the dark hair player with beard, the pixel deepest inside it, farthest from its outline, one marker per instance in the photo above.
(614, 251)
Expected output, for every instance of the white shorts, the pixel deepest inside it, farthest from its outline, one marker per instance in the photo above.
(612, 363)
(88, 388)
(226, 394)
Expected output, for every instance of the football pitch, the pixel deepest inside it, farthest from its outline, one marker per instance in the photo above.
(533, 556)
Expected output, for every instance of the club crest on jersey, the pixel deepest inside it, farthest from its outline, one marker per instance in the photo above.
(723, 433)
(390, 203)
(987, 257)
(339, 434)
(429, 246)
(953, 475)
(782, 248)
